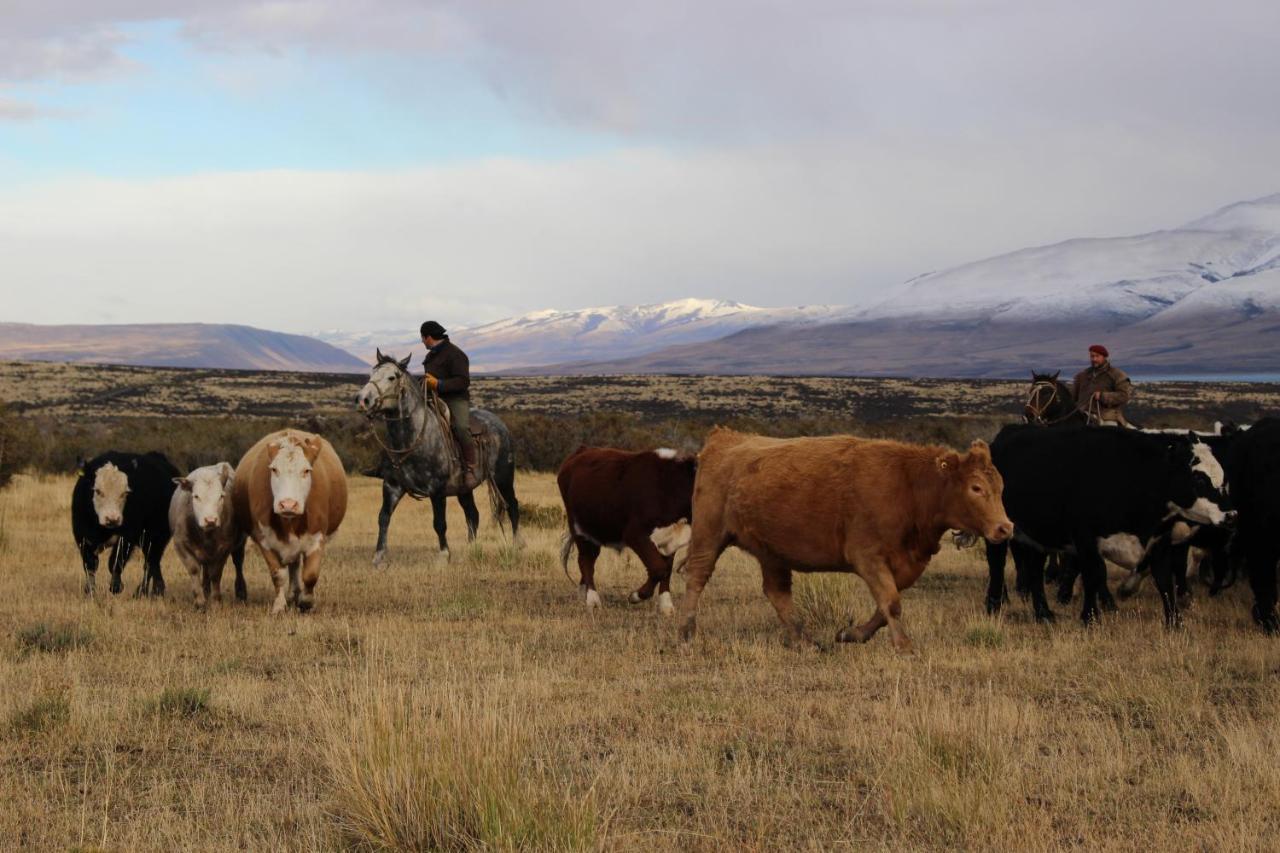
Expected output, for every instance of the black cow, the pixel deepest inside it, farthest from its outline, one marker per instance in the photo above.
(1090, 492)
(1252, 462)
(122, 500)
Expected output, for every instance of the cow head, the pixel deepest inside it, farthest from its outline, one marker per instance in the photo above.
(673, 541)
(110, 491)
(1197, 488)
(291, 459)
(972, 493)
(210, 488)
(382, 392)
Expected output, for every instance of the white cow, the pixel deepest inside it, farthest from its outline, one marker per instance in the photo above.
(205, 531)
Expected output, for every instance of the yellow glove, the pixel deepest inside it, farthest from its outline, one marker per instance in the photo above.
(432, 382)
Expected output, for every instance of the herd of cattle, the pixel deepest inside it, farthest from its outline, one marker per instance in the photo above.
(1149, 501)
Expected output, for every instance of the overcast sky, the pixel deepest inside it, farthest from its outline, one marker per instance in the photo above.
(364, 164)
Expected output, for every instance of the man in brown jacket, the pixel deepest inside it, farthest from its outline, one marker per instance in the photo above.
(1102, 390)
(449, 374)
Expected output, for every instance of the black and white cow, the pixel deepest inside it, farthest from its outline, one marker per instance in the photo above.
(122, 500)
(1095, 493)
(1252, 461)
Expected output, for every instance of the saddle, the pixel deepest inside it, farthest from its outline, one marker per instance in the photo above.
(477, 428)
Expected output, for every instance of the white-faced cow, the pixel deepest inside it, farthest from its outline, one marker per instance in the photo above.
(835, 504)
(615, 498)
(205, 531)
(1100, 492)
(121, 500)
(290, 495)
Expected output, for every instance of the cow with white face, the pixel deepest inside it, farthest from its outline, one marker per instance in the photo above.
(121, 501)
(290, 496)
(205, 531)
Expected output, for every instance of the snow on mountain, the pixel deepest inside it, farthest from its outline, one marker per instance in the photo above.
(1119, 279)
(552, 337)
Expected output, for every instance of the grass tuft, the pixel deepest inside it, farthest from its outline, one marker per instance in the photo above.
(446, 770)
(185, 702)
(542, 516)
(824, 600)
(45, 713)
(53, 638)
(984, 635)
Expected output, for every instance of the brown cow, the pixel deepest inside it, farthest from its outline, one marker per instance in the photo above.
(617, 497)
(836, 504)
(290, 494)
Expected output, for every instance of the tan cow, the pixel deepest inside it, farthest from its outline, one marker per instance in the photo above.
(835, 504)
(290, 494)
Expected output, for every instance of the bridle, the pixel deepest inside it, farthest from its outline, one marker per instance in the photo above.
(399, 387)
(1035, 407)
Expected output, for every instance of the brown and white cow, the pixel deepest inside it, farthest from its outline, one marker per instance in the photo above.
(615, 498)
(836, 504)
(290, 495)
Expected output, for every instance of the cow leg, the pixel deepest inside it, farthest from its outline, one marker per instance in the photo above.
(310, 574)
(1162, 573)
(89, 558)
(1053, 567)
(1260, 563)
(776, 581)
(863, 632)
(1068, 571)
(199, 577)
(703, 553)
(440, 522)
(279, 578)
(588, 551)
(1094, 573)
(391, 496)
(467, 500)
(213, 579)
(659, 569)
(295, 586)
(120, 554)
(1031, 563)
(875, 572)
(153, 550)
(1105, 598)
(237, 558)
(996, 553)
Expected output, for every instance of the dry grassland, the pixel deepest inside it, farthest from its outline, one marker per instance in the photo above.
(479, 705)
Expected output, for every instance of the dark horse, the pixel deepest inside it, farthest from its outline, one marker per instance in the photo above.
(1051, 403)
(422, 461)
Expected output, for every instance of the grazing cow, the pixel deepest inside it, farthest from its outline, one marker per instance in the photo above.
(615, 498)
(205, 531)
(835, 504)
(1095, 493)
(290, 495)
(121, 500)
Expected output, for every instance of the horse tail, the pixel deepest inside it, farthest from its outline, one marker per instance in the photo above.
(497, 504)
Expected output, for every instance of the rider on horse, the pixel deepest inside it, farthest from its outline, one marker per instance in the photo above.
(448, 374)
(1101, 390)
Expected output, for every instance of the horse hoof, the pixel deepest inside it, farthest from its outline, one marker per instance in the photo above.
(379, 559)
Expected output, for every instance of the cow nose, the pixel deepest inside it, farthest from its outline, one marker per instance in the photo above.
(210, 521)
(1003, 531)
(288, 505)
(1229, 519)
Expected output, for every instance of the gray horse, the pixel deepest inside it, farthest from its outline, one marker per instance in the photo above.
(421, 460)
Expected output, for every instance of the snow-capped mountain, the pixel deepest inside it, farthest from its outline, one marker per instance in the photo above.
(1119, 279)
(551, 336)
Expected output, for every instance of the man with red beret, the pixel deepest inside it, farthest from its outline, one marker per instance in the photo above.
(1101, 389)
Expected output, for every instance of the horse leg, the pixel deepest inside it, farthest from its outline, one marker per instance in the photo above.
(391, 496)
(467, 500)
(441, 523)
(504, 478)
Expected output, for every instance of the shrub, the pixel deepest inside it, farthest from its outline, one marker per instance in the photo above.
(182, 702)
(44, 637)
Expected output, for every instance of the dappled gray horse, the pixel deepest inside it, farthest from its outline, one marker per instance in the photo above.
(421, 460)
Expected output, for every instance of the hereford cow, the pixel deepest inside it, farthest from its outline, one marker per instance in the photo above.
(615, 498)
(121, 500)
(290, 494)
(1100, 492)
(205, 531)
(874, 508)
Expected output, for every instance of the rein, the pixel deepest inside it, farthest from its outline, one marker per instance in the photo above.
(1034, 409)
(398, 455)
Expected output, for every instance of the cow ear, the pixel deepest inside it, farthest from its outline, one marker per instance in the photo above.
(949, 461)
(226, 472)
(182, 483)
(82, 465)
(311, 447)
(272, 449)
(979, 449)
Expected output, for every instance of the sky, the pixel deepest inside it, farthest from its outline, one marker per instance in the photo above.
(366, 164)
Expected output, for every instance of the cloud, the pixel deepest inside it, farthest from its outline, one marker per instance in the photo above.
(474, 241)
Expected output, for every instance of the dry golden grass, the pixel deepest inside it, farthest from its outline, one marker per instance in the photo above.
(479, 705)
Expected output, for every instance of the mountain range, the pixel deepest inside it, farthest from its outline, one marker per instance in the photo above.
(175, 345)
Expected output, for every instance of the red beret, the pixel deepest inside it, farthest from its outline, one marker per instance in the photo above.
(1100, 350)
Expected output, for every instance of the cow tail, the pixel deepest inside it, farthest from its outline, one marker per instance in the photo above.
(566, 548)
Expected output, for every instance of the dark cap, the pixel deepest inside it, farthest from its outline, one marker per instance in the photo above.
(432, 329)
(1098, 348)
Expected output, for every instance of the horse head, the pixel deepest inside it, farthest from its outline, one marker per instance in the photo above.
(1048, 399)
(387, 382)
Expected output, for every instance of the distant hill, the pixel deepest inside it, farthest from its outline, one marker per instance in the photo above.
(175, 345)
(1203, 298)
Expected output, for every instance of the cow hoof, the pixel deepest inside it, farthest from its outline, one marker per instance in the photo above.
(242, 593)
(277, 608)
(688, 629)
(665, 606)
(305, 605)
(1108, 604)
(634, 598)
(117, 586)
(593, 599)
(902, 645)
(1046, 616)
(1268, 621)
(844, 635)
(993, 606)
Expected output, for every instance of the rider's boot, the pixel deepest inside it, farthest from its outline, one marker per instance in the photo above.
(469, 479)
